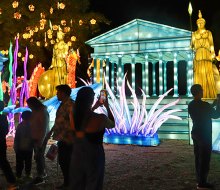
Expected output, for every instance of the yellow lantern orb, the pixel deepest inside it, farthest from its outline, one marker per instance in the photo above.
(66, 29)
(93, 21)
(19, 54)
(55, 27)
(69, 43)
(73, 38)
(63, 22)
(31, 56)
(23, 58)
(62, 5)
(15, 4)
(52, 41)
(80, 22)
(17, 15)
(51, 10)
(31, 8)
(38, 43)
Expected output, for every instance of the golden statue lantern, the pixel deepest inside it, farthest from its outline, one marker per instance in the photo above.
(57, 73)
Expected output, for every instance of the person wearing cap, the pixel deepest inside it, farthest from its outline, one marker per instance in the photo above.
(201, 113)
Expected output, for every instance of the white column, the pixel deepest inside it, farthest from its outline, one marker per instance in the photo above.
(175, 75)
(165, 76)
(101, 72)
(133, 72)
(145, 79)
(95, 70)
(107, 76)
(120, 70)
(160, 74)
(154, 79)
(189, 75)
(112, 76)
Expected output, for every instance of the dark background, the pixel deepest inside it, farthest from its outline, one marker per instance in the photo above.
(173, 13)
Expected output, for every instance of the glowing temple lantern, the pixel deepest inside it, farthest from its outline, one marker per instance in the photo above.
(38, 43)
(19, 54)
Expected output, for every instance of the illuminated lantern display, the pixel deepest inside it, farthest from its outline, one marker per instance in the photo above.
(72, 59)
(38, 71)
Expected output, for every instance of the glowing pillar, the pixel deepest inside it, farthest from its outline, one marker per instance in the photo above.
(145, 76)
(189, 74)
(165, 76)
(154, 79)
(101, 62)
(95, 70)
(175, 75)
(107, 76)
(133, 72)
(112, 76)
(160, 74)
(120, 72)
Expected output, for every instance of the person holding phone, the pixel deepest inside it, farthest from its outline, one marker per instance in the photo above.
(202, 113)
(88, 157)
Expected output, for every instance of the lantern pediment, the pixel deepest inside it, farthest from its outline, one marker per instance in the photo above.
(139, 30)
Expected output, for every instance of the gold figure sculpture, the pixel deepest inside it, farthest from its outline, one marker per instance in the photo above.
(204, 70)
(57, 73)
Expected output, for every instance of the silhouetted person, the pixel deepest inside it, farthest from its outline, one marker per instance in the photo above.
(4, 164)
(202, 113)
(39, 128)
(23, 145)
(88, 156)
(63, 131)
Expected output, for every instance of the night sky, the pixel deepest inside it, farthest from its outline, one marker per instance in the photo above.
(169, 12)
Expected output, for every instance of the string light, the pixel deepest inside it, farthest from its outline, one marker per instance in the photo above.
(15, 4)
(31, 8)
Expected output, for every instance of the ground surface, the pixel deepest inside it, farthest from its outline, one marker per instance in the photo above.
(169, 166)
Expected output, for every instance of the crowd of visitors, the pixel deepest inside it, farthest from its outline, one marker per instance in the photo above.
(79, 132)
(79, 135)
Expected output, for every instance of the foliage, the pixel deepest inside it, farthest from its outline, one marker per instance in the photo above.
(36, 25)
